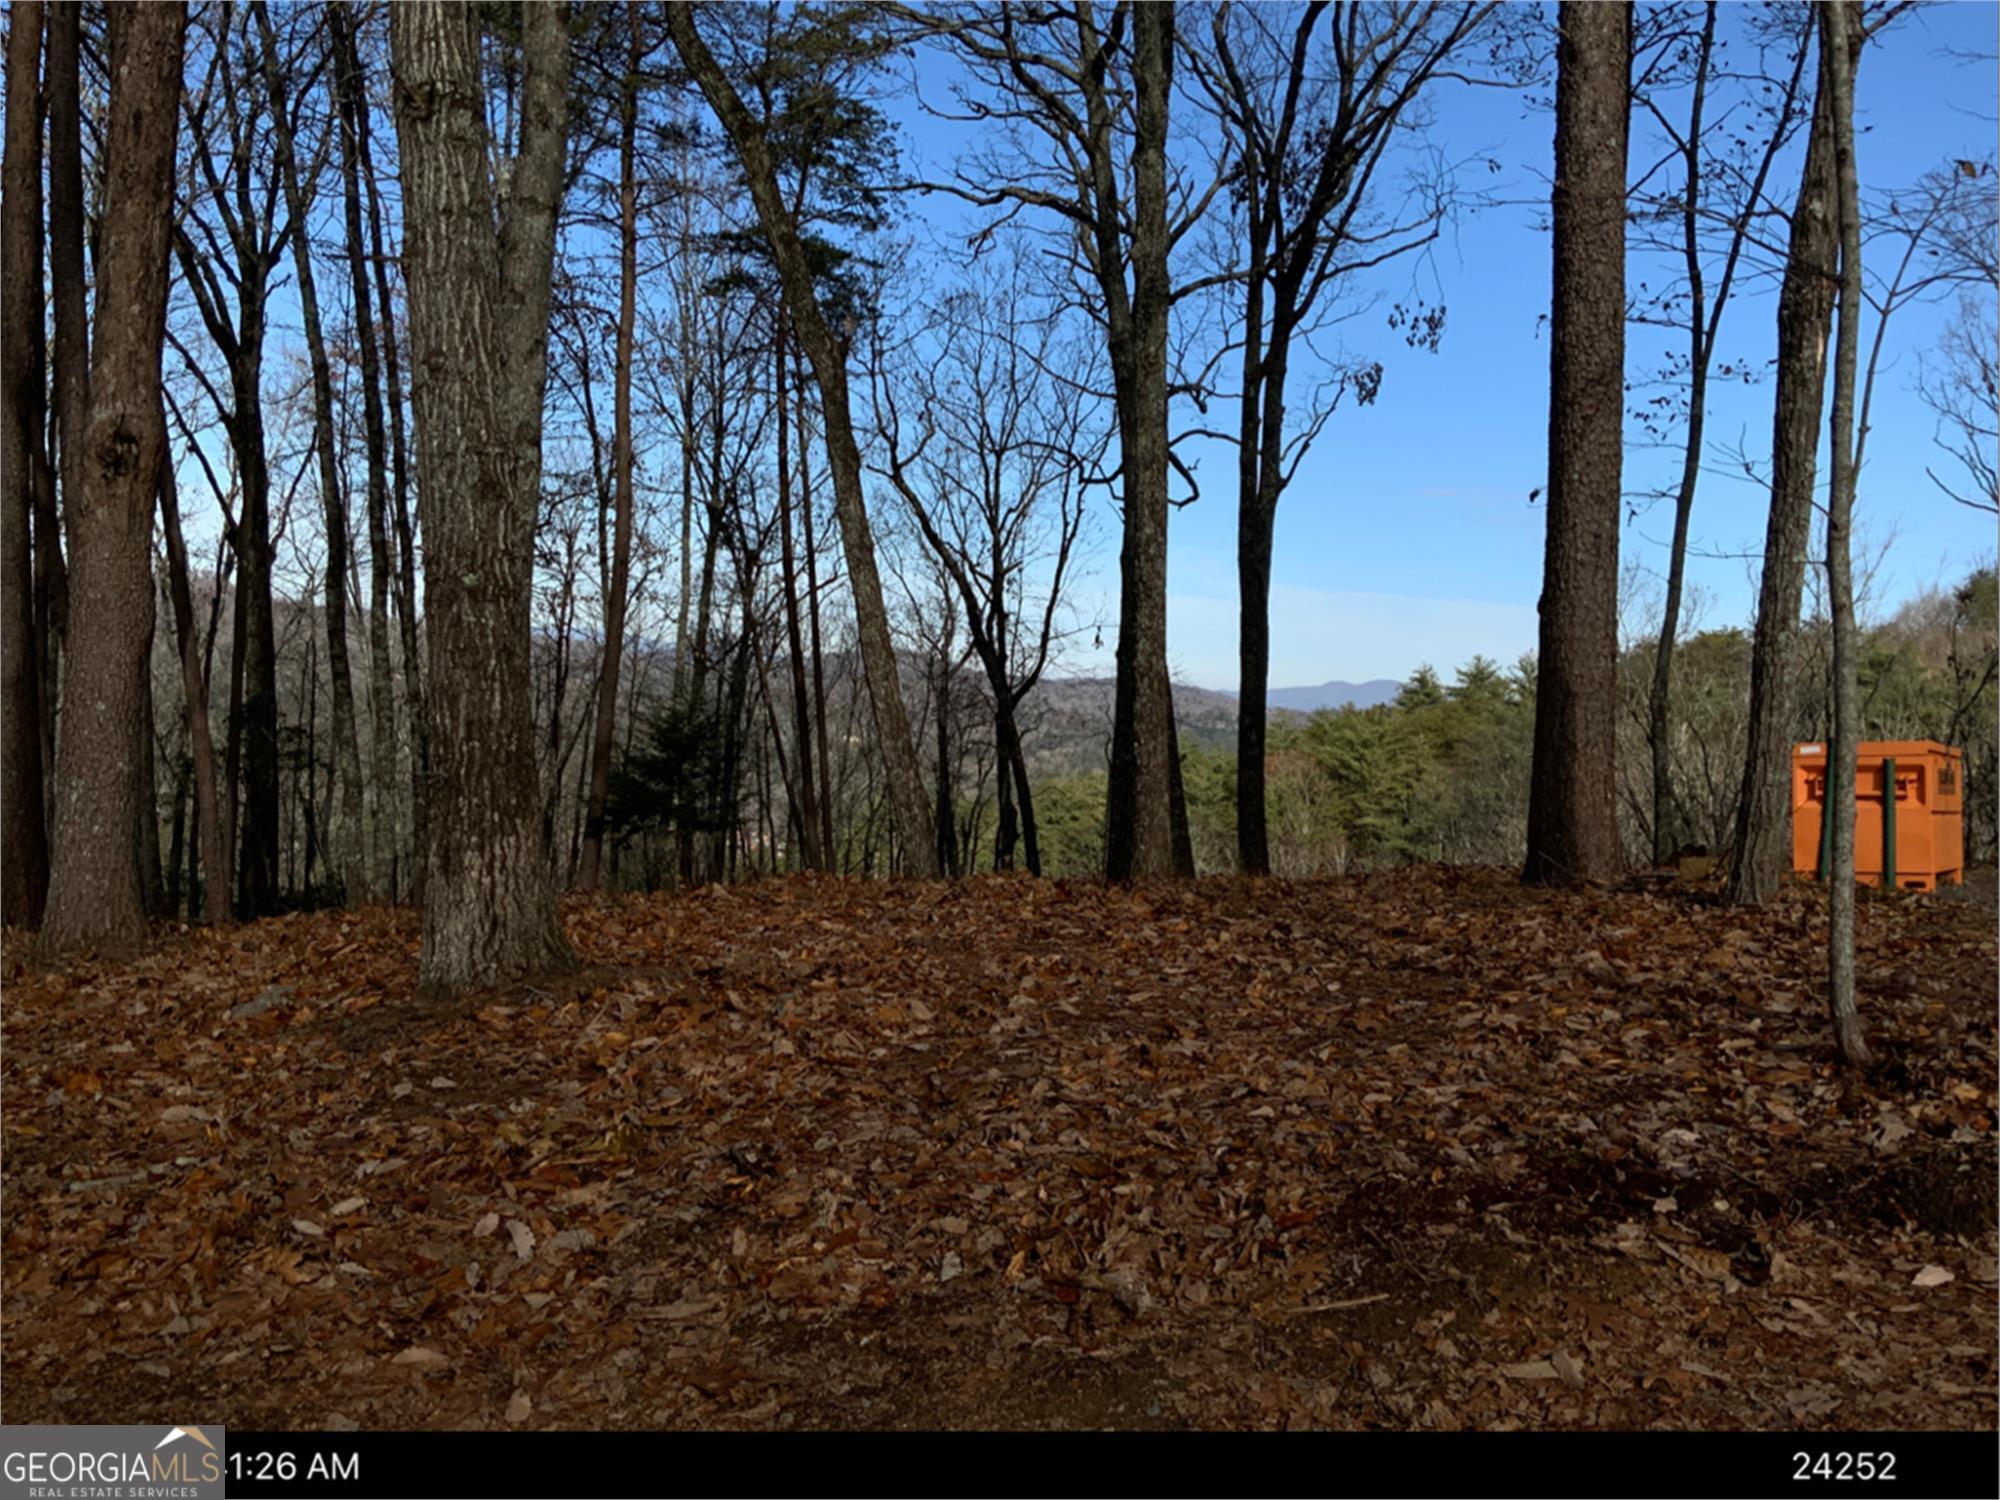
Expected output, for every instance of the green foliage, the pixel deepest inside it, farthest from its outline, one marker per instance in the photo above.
(834, 149)
(1439, 774)
(1069, 814)
(1442, 772)
(677, 778)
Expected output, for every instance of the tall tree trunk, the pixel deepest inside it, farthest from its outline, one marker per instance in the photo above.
(63, 89)
(1659, 730)
(478, 333)
(1139, 826)
(812, 626)
(194, 691)
(347, 840)
(1255, 524)
(96, 897)
(947, 821)
(24, 835)
(1024, 794)
(146, 822)
(351, 102)
(687, 307)
(178, 842)
(828, 355)
(1763, 849)
(622, 461)
(62, 92)
(258, 872)
(1572, 797)
(1177, 807)
(232, 753)
(407, 604)
(808, 792)
(1837, 19)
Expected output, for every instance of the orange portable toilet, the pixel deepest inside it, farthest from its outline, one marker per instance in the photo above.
(1910, 835)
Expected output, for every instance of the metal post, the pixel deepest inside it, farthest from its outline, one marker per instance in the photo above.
(1825, 821)
(1889, 823)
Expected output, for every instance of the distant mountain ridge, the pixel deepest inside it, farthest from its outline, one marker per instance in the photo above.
(1066, 721)
(1334, 694)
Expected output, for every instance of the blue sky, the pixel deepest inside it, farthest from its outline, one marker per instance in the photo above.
(1408, 535)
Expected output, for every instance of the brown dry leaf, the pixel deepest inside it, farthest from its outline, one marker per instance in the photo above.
(1131, 1116)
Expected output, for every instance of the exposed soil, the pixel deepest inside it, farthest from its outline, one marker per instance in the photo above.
(1426, 1150)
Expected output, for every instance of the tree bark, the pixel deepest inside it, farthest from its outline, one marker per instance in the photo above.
(1256, 524)
(1139, 827)
(1763, 849)
(1572, 798)
(479, 296)
(24, 870)
(1836, 21)
(146, 812)
(828, 355)
(96, 893)
(258, 875)
(622, 461)
(946, 819)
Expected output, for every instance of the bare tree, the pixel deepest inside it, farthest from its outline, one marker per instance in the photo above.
(1836, 23)
(1080, 99)
(1961, 381)
(623, 459)
(1312, 113)
(828, 354)
(1709, 191)
(96, 893)
(24, 874)
(351, 106)
(1572, 798)
(230, 240)
(988, 437)
(194, 698)
(347, 840)
(1762, 850)
(479, 300)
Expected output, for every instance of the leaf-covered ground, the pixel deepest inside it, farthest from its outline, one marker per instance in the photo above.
(1425, 1150)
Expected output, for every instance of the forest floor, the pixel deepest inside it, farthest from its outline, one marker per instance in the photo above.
(1425, 1150)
